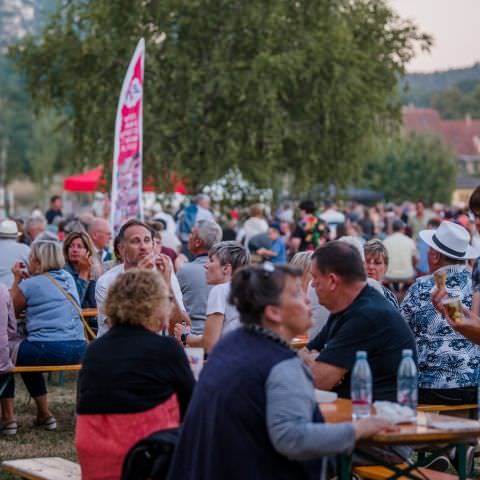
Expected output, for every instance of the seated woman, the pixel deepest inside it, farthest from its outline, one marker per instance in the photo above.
(253, 413)
(133, 381)
(48, 295)
(80, 255)
(376, 264)
(8, 347)
(224, 259)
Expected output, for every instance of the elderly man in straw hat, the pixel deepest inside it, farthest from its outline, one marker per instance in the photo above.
(447, 362)
(11, 251)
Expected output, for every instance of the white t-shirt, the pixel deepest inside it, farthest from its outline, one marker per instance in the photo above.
(107, 279)
(218, 303)
(400, 250)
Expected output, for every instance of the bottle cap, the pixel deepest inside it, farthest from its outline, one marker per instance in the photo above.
(361, 354)
(407, 353)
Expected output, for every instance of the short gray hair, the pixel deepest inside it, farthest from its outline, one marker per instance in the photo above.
(376, 247)
(49, 254)
(209, 233)
(302, 260)
(201, 196)
(35, 222)
(231, 252)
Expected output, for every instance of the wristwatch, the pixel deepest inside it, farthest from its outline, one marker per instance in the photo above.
(183, 337)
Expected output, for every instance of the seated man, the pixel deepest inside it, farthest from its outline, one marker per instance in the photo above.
(447, 362)
(361, 318)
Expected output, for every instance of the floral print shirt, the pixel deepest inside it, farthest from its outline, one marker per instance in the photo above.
(446, 359)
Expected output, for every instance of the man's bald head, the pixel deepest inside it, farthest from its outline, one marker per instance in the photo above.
(100, 232)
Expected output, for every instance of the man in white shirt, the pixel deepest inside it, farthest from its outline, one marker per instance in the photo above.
(136, 249)
(402, 254)
(333, 218)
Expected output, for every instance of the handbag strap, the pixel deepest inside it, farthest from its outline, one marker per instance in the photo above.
(86, 326)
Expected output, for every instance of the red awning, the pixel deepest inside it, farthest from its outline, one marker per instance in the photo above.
(93, 181)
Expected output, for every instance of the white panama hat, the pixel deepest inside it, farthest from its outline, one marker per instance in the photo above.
(8, 229)
(450, 239)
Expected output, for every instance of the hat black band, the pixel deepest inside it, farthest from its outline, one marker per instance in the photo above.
(449, 250)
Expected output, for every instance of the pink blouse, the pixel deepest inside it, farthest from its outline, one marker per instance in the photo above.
(9, 340)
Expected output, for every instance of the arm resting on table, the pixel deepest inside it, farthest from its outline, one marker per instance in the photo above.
(290, 405)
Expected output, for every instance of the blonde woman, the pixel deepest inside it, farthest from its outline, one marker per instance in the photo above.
(48, 296)
(133, 381)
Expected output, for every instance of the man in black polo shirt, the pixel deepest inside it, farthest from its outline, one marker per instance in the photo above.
(361, 319)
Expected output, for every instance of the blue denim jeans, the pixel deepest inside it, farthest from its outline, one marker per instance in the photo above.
(44, 353)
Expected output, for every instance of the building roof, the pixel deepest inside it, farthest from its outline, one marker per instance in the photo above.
(462, 135)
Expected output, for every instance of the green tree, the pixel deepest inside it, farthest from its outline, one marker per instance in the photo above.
(416, 166)
(15, 120)
(50, 147)
(270, 87)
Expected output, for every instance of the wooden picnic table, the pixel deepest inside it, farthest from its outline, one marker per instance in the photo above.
(422, 432)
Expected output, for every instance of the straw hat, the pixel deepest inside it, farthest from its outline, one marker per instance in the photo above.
(8, 229)
(450, 239)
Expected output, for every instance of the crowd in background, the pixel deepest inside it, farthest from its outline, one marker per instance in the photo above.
(354, 277)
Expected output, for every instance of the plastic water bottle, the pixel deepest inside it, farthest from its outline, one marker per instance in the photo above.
(407, 381)
(361, 387)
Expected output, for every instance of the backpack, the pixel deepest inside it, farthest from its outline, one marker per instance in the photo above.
(149, 458)
(186, 221)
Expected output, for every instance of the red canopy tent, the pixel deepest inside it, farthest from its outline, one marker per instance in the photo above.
(93, 181)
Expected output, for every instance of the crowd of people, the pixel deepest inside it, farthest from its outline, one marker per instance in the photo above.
(240, 286)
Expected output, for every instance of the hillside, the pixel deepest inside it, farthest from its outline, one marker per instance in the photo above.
(426, 89)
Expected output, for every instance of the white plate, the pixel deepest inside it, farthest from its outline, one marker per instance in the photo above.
(324, 396)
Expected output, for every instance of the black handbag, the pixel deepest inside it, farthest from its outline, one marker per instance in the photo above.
(149, 458)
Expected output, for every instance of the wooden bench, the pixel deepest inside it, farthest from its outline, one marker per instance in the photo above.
(377, 472)
(39, 368)
(49, 468)
(47, 368)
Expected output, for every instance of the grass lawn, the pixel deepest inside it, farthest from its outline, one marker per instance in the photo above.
(31, 442)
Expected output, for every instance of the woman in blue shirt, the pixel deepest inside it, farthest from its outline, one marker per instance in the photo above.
(55, 336)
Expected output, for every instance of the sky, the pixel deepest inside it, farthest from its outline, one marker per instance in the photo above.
(455, 27)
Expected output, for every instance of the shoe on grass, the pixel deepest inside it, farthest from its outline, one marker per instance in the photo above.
(8, 428)
(48, 423)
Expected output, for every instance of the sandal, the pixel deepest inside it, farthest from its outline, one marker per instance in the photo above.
(8, 428)
(48, 423)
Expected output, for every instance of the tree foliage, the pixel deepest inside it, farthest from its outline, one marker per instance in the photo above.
(413, 167)
(269, 87)
(15, 120)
